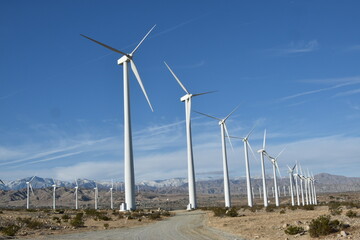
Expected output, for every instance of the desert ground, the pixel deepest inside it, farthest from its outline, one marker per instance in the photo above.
(250, 223)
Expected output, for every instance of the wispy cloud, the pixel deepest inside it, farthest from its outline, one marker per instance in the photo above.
(348, 93)
(296, 48)
(343, 83)
(353, 48)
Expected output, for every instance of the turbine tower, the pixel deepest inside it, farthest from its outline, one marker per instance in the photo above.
(301, 186)
(191, 172)
(28, 187)
(262, 154)
(76, 194)
(291, 174)
(54, 194)
(129, 177)
(224, 155)
(276, 167)
(297, 176)
(111, 194)
(247, 145)
(96, 196)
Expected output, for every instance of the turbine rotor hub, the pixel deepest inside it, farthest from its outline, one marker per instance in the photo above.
(125, 58)
(186, 97)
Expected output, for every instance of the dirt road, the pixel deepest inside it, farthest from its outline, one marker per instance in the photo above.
(185, 225)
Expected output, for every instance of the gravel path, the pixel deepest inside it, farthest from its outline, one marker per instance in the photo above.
(184, 225)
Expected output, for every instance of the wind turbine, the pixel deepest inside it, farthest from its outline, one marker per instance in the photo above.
(96, 196)
(262, 154)
(111, 194)
(297, 176)
(248, 179)
(307, 189)
(224, 131)
(191, 172)
(76, 194)
(291, 176)
(276, 167)
(54, 193)
(313, 188)
(129, 177)
(308, 179)
(301, 186)
(28, 187)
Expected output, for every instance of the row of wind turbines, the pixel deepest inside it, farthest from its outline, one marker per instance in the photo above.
(76, 188)
(129, 177)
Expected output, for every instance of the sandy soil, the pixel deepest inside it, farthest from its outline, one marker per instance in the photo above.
(55, 224)
(271, 225)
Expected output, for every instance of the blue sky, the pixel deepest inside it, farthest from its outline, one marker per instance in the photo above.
(291, 65)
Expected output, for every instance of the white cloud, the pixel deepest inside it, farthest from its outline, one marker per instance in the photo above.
(296, 48)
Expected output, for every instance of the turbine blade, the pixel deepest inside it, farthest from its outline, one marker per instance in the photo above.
(289, 168)
(188, 109)
(31, 179)
(231, 112)
(208, 116)
(104, 45)
(76, 183)
(294, 167)
(280, 152)
(264, 141)
(31, 189)
(248, 135)
(136, 48)
(248, 143)
(136, 73)
(177, 79)
(112, 183)
(236, 137)
(227, 133)
(277, 167)
(2, 182)
(198, 94)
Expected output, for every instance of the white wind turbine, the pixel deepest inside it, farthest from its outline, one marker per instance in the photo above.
(54, 193)
(297, 176)
(96, 196)
(291, 176)
(308, 179)
(312, 179)
(191, 172)
(247, 167)
(111, 194)
(28, 187)
(76, 194)
(307, 192)
(224, 155)
(129, 177)
(301, 186)
(262, 154)
(276, 167)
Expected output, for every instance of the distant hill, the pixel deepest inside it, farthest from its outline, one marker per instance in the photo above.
(324, 183)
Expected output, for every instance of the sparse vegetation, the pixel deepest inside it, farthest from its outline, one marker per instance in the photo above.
(77, 221)
(29, 223)
(10, 230)
(106, 225)
(351, 214)
(308, 207)
(323, 226)
(270, 208)
(293, 230)
(282, 211)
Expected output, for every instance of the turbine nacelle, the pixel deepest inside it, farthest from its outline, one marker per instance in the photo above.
(125, 58)
(186, 97)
